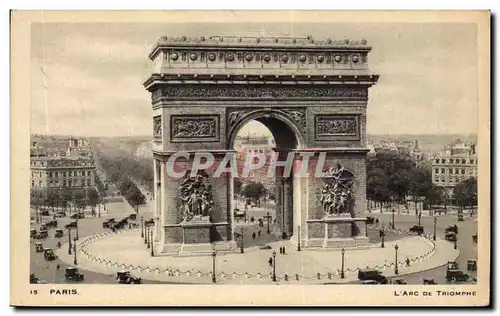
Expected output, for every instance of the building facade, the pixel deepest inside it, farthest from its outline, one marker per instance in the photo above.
(455, 164)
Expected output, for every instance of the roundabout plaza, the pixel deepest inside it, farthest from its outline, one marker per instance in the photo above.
(110, 252)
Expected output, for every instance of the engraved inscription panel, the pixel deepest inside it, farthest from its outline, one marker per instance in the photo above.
(187, 128)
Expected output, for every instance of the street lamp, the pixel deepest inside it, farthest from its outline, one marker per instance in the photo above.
(435, 221)
(75, 262)
(393, 211)
(76, 229)
(396, 271)
(274, 266)
(268, 219)
(382, 245)
(69, 239)
(152, 248)
(342, 275)
(455, 244)
(214, 254)
(147, 235)
(298, 238)
(142, 227)
(242, 250)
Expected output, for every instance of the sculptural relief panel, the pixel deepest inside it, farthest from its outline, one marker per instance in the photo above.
(188, 128)
(157, 128)
(331, 127)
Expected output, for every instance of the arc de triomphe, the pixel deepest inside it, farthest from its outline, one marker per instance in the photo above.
(312, 95)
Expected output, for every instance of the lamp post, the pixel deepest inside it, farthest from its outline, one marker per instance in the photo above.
(268, 220)
(342, 275)
(242, 250)
(142, 227)
(214, 254)
(419, 218)
(435, 221)
(69, 239)
(382, 245)
(298, 238)
(393, 211)
(274, 266)
(147, 235)
(396, 271)
(152, 248)
(75, 262)
(455, 244)
(76, 230)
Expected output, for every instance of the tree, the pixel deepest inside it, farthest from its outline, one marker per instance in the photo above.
(93, 197)
(466, 192)
(237, 184)
(399, 183)
(254, 190)
(377, 186)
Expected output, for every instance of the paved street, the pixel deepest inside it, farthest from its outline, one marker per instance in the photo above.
(47, 271)
(468, 250)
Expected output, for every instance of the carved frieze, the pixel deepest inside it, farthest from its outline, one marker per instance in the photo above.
(192, 128)
(236, 115)
(157, 128)
(297, 115)
(337, 196)
(222, 92)
(336, 127)
(195, 197)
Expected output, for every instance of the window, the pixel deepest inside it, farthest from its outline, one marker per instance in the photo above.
(463, 161)
(57, 174)
(457, 161)
(64, 173)
(463, 170)
(32, 183)
(50, 174)
(442, 170)
(437, 160)
(450, 170)
(436, 170)
(471, 161)
(443, 160)
(40, 183)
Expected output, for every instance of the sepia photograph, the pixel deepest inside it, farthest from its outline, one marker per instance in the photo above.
(331, 153)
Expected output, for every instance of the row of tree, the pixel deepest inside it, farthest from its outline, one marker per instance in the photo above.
(74, 199)
(394, 177)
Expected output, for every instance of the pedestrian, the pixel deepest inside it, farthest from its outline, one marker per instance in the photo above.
(283, 249)
(58, 266)
(407, 262)
(253, 235)
(259, 233)
(270, 261)
(129, 225)
(59, 244)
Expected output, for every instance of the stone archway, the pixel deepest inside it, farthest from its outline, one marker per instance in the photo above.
(313, 97)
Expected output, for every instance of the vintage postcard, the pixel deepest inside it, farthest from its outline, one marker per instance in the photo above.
(250, 158)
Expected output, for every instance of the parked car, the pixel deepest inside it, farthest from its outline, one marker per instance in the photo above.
(451, 236)
(399, 281)
(60, 214)
(59, 233)
(32, 233)
(372, 274)
(460, 218)
(429, 282)
(452, 265)
(48, 254)
(417, 229)
(472, 265)
(125, 277)
(132, 217)
(35, 280)
(42, 234)
(45, 213)
(77, 216)
(453, 229)
(454, 276)
(73, 274)
(264, 247)
(474, 238)
(71, 225)
(108, 223)
(51, 224)
(38, 247)
(43, 227)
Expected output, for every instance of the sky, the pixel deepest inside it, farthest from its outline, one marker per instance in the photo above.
(86, 78)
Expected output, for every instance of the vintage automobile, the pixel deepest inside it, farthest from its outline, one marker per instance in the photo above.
(456, 275)
(452, 265)
(32, 233)
(370, 220)
(59, 233)
(43, 227)
(429, 282)
(264, 247)
(474, 238)
(125, 277)
(42, 234)
(39, 247)
(132, 217)
(460, 218)
(77, 216)
(73, 274)
(60, 214)
(48, 254)
(108, 223)
(372, 274)
(417, 229)
(239, 213)
(71, 225)
(45, 213)
(453, 229)
(51, 224)
(450, 236)
(399, 281)
(472, 265)
(35, 280)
